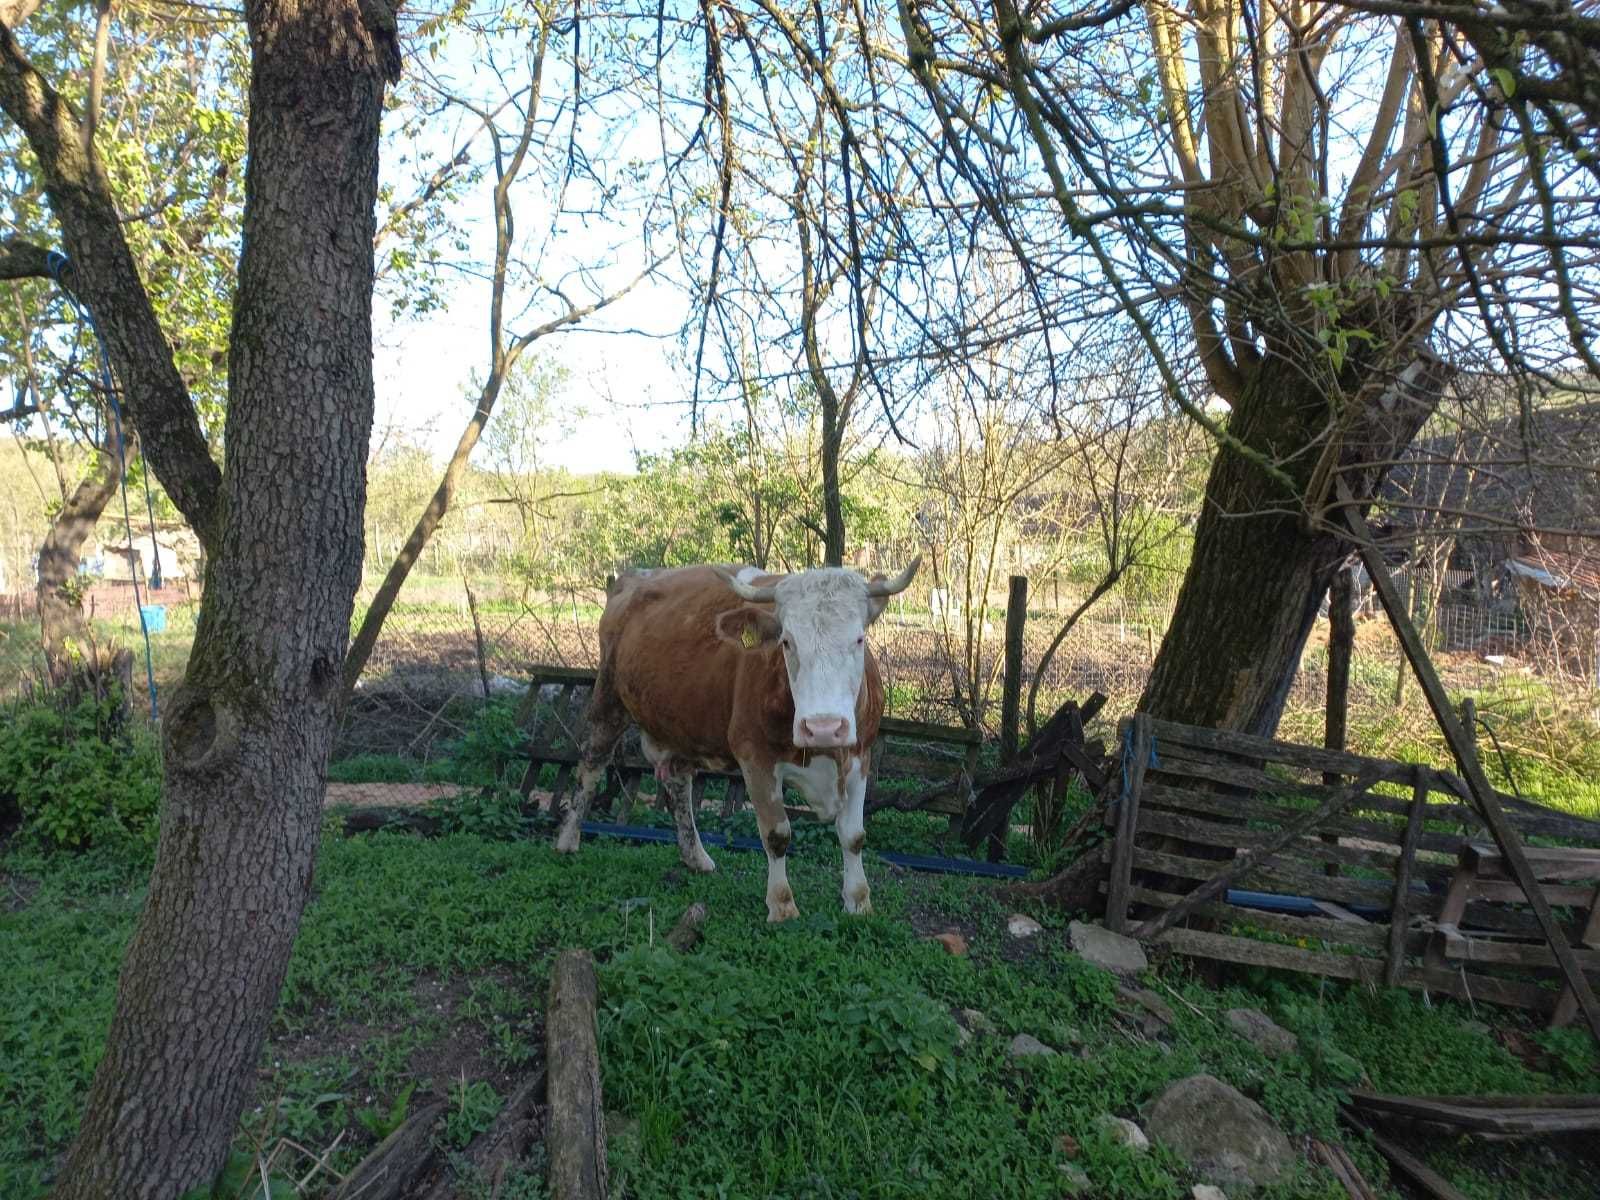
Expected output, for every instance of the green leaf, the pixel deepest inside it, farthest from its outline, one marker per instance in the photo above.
(1506, 80)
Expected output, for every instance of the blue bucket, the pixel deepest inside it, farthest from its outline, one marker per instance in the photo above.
(154, 617)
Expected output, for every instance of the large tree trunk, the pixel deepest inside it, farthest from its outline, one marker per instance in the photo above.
(246, 737)
(1258, 575)
(63, 628)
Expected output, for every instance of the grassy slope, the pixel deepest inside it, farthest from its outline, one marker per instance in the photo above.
(817, 1059)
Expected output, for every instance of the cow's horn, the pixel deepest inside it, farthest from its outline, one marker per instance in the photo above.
(891, 587)
(757, 595)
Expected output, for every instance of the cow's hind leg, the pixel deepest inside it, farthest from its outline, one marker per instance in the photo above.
(680, 790)
(852, 830)
(607, 721)
(766, 793)
(676, 778)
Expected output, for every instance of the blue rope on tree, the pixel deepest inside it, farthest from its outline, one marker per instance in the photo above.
(1127, 757)
(58, 263)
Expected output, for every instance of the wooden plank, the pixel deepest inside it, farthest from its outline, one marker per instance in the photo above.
(1505, 835)
(1509, 1117)
(1127, 825)
(1354, 932)
(1450, 912)
(1528, 817)
(1567, 1004)
(1246, 808)
(1250, 952)
(1547, 863)
(1409, 1165)
(1460, 948)
(1242, 866)
(1274, 873)
(900, 728)
(1309, 758)
(1262, 786)
(1507, 1101)
(1399, 908)
(1212, 833)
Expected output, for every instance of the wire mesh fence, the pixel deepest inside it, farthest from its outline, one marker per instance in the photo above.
(452, 646)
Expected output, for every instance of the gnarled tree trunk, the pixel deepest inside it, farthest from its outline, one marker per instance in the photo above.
(63, 626)
(1259, 572)
(246, 737)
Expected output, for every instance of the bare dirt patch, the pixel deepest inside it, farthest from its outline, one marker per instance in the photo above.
(361, 795)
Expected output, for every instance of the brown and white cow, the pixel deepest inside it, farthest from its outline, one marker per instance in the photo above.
(724, 665)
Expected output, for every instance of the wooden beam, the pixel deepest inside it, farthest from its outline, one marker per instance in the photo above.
(1011, 680)
(1505, 835)
(1127, 825)
(1399, 908)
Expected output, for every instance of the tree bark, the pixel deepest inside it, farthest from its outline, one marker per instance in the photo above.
(1258, 575)
(246, 736)
(63, 628)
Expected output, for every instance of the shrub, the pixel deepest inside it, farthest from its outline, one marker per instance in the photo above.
(73, 772)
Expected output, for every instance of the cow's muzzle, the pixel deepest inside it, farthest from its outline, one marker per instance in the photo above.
(822, 732)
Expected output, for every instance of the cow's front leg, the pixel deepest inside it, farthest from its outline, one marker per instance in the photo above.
(852, 830)
(766, 793)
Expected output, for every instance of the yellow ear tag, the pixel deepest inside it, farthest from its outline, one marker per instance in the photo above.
(749, 637)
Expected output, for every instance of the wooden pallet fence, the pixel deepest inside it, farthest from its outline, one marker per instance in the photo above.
(1386, 876)
(554, 718)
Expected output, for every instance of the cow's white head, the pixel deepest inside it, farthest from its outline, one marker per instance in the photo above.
(819, 618)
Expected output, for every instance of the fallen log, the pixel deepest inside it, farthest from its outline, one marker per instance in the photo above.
(397, 1160)
(503, 1145)
(576, 1140)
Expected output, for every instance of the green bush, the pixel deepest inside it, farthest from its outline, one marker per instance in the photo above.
(74, 773)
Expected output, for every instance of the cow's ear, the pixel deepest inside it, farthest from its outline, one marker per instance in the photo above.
(876, 604)
(749, 627)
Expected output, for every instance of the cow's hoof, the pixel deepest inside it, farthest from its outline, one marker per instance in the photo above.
(781, 912)
(858, 908)
(701, 864)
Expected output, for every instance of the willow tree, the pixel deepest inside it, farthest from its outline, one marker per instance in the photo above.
(1310, 212)
(245, 738)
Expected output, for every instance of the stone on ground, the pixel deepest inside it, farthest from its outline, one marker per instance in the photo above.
(1124, 1132)
(1106, 949)
(1022, 926)
(1262, 1032)
(1226, 1137)
(1025, 1045)
(951, 941)
(1075, 1180)
(976, 1021)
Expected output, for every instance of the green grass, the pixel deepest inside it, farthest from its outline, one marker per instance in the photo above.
(814, 1059)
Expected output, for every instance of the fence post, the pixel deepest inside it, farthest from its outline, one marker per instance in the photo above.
(1011, 686)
